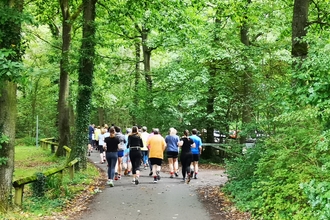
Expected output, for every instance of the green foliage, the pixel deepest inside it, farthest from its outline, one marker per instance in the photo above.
(9, 70)
(266, 180)
(39, 186)
(3, 140)
(318, 193)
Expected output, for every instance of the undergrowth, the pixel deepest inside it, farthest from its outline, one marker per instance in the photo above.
(287, 175)
(50, 194)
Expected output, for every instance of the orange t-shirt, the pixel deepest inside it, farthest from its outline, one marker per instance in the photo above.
(157, 146)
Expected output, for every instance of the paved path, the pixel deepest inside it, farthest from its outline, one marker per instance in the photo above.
(165, 200)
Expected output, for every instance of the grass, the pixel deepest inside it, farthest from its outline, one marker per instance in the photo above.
(30, 159)
(59, 191)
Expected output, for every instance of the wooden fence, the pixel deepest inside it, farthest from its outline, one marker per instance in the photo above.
(45, 143)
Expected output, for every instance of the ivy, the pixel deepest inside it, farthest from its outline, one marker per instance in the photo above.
(3, 140)
(9, 70)
(39, 186)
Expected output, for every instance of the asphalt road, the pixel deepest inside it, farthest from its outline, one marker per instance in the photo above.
(165, 200)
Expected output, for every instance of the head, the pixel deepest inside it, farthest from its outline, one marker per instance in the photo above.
(103, 131)
(128, 130)
(156, 131)
(186, 133)
(144, 129)
(135, 130)
(117, 129)
(112, 132)
(194, 131)
(172, 131)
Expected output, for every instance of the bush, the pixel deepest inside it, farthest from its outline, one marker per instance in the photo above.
(272, 181)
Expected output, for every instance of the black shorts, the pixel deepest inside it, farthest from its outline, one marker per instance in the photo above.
(196, 157)
(172, 154)
(156, 161)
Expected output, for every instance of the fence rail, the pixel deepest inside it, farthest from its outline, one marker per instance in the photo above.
(19, 184)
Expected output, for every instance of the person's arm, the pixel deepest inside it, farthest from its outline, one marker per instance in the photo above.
(164, 144)
(192, 143)
(141, 142)
(180, 143)
(128, 141)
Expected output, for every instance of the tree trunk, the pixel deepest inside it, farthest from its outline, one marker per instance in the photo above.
(7, 128)
(247, 82)
(11, 30)
(208, 152)
(299, 28)
(146, 59)
(136, 79)
(100, 111)
(63, 103)
(85, 79)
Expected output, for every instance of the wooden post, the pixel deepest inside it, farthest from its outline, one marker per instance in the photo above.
(71, 171)
(52, 147)
(19, 195)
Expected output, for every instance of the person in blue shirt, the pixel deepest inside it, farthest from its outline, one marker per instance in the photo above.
(196, 152)
(172, 151)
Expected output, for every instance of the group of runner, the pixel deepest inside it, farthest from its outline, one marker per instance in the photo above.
(125, 154)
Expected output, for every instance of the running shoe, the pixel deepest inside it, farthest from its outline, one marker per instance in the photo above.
(119, 176)
(171, 176)
(191, 173)
(195, 176)
(158, 176)
(108, 182)
(150, 174)
(176, 174)
(116, 177)
(111, 184)
(189, 178)
(136, 181)
(155, 179)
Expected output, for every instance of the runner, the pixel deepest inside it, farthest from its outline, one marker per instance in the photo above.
(172, 151)
(101, 145)
(111, 154)
(121, 148)
(196, 152)
(135, 144)
(127, 165)
(157, 146)
(144, 136)
(186, 156)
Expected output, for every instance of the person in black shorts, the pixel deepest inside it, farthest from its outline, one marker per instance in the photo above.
(172, 151)
(186, 156)
(135, 144)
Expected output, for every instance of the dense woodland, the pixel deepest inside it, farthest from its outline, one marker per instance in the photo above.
(248, 65)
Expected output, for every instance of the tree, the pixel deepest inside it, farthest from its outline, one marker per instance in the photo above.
(86, 70)
(10, 53)
(63, 101)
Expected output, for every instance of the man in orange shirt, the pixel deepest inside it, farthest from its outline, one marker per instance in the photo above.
(156, 144)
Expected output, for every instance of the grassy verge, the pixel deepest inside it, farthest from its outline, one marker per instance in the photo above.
(59, 192)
